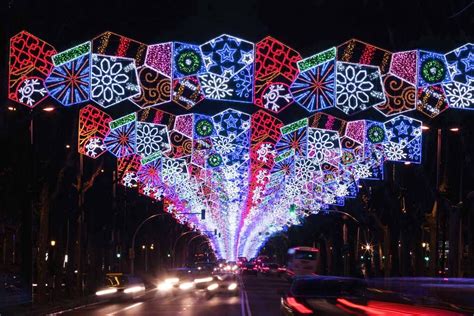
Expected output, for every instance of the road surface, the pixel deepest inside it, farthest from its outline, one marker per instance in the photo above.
(258, 296)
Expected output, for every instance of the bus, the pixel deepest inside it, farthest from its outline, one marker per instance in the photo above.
(302, 261)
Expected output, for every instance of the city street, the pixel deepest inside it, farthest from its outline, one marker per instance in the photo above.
(258, 296)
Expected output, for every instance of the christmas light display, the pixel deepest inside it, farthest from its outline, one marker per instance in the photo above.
(460, 64)
(275, 70)
(358, 88)
(253, 174)
(113, 79)
(71, 53)
(314, 89)
(69, 83)
(400, 96)
(155, 88)
(30, 65)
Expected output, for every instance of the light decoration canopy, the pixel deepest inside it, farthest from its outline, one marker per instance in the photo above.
(254, 174)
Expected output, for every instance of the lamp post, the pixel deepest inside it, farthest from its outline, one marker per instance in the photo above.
(132, 249)
(176, 242)
(189, 244)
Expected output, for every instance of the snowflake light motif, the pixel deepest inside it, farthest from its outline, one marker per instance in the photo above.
(215, 87)
(32, 91)
(394, 151)
(459, 96)
(275, 96)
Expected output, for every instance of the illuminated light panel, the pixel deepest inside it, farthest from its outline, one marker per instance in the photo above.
(123, 120)
(459, 63)
(400, 96)
(159, 57)
(112, 44)
(277, 61)
(356, 51)
(227, 55)
(459, 96)
(314, 89)
(187, 92)
(121, 141)
(72, 53)
(358, 87)
(404, 65)
(93, 127)
(317, 59)
(187, 60)
(69, 83)
(155, 88)
(431, 100)
(113, 79)
(29, 65)
(432, 69)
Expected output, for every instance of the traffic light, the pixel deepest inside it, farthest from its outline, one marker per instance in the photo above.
(292, 209)
(215, 232)
(203, 214)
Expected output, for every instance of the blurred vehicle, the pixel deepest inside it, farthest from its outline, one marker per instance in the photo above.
(328, 295)
(241, 261)
(302, 261)
(184, 280)
(223, 284)
(249, 268)
(269, 269)
(121, 286)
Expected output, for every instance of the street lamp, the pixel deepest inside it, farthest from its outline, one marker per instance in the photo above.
(132, 249)
(49, 108)
(176, 242)
(53, 243)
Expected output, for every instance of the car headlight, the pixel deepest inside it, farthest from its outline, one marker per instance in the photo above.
(165, 286)
(172, 280)
(134, 289)
(203, 280)
(186, 286)
(106, 291)
(232, 286)
(213, 287)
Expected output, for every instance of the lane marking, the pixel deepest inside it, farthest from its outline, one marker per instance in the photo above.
(245, 300)
(125, 309)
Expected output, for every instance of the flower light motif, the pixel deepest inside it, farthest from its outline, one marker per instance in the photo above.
(113, 79)
(321, 143)
(361, 171)
(151, 138)
(353, 88)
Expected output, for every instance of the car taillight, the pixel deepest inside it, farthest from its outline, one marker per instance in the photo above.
(297, 306)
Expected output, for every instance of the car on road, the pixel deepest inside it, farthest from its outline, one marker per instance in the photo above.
(269, 269)
(121, 286)
(329, 295)
(249, 268)
(223, 284)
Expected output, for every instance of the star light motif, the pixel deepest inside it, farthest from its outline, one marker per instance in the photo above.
(226, 53)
